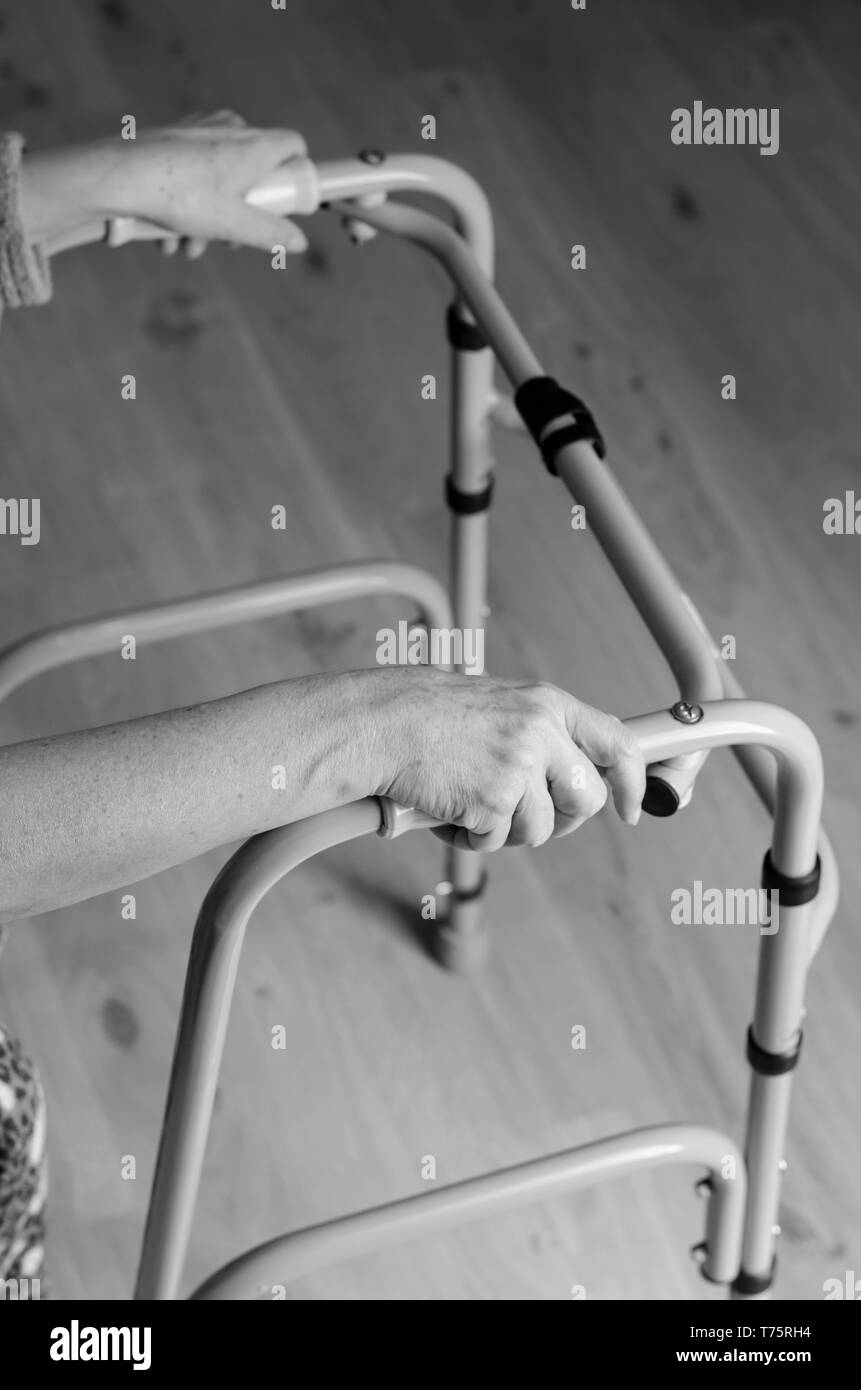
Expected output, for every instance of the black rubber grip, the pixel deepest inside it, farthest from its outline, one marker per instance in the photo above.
(462, 334)
(571, 434)
(660, 799)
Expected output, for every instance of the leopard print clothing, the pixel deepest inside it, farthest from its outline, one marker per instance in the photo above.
(23, 1173)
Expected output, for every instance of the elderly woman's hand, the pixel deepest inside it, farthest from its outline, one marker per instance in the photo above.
(502, 762)
(190, 178)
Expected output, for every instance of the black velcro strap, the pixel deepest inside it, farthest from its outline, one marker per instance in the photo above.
(469, 895)
(467, 503)
(751, 1284)
(583, 428)
(462, 334)
(793, 892)
(542, 400)
(772, 1063)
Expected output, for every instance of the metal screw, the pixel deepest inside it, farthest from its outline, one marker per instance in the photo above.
(685, 713)
(703, 1188)
(782, 1166)
(776, 1231)
(372, 156)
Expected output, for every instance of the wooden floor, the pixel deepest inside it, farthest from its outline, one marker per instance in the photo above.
(255, 389)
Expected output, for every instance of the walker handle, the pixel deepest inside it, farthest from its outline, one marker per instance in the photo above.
(398, 820)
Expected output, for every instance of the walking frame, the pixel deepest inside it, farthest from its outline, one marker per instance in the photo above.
(711, 711)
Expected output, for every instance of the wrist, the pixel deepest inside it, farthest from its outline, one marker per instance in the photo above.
(335, 718)
(370, 713)
(62, 190)
(371, 708)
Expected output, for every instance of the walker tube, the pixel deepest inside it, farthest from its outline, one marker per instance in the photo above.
(213, 962)
(784, 958)
(258, 1272)
(760, 771)
(184, 617)
(632, 552)
(263, 860)
(461, 938)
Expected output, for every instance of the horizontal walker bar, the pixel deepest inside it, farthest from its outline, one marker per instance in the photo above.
(274, 1264)
(44, 651)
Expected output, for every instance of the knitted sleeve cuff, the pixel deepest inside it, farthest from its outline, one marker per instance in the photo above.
(25, 272)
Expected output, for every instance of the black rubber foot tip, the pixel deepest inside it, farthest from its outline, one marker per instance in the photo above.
(754, 1285)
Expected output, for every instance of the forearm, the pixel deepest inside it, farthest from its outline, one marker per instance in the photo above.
(84, 813)
(66, 188)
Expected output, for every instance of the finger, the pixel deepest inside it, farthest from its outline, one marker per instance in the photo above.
(605, 740)
(566, 824)
(169, 246)
(252, 227)
(487, 842)
(448, 834)
(534, 821)
(223, 117)
(575, 784)
(193, 247)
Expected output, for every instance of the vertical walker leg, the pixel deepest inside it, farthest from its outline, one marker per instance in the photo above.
(461, 939)
(773, 1047)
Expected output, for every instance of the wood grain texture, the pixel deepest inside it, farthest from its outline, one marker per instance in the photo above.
(303, 388)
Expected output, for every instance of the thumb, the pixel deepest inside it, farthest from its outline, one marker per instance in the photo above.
(252, 227)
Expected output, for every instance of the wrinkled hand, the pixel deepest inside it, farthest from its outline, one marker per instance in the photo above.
(501, 762)
(192, 178)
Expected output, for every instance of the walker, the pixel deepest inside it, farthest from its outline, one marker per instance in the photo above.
(738, 1248)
